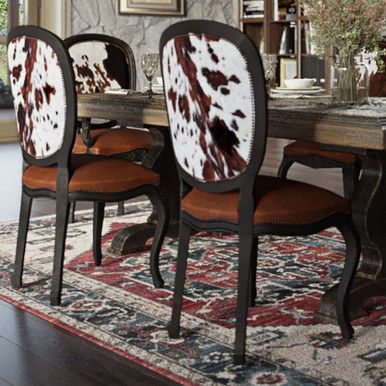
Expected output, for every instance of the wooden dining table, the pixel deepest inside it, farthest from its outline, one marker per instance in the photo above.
(361, 130)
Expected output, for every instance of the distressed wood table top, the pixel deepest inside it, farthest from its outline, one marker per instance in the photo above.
(311, 119)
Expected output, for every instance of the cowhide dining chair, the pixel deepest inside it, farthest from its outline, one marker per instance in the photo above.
(217, 108)
(313, 155)
(43, 87)
(100, 63)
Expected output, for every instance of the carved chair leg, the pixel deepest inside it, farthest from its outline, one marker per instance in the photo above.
(350, 267)
(99, 211)
(62, 213)
(245, 252)
(252, 281)
(152, 219)
(160, 205)
(121, 208)
(71, 218)
(183, 250)
(286, 163)
(25, 212)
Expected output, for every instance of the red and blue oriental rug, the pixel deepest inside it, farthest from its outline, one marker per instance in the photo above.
(116, 307)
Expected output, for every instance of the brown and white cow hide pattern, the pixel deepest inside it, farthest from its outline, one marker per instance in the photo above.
(91, 73)
(39, 96)
(210, 104)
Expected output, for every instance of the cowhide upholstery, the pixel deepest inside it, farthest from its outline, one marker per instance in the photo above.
(98, 66)
(39, 96)
(210, 105)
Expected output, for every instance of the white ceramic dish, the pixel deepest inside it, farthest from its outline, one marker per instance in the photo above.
(299, 83)
(158, 88)
(304, 91)
(118, 91)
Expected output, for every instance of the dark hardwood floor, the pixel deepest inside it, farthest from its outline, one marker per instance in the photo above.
(35, 352)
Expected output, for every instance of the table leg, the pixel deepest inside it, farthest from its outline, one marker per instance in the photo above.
(369, 215)
(161, 158)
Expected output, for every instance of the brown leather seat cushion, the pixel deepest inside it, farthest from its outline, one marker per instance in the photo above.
(102, 176)
(114, 141)
(279, 201)
(309, 149)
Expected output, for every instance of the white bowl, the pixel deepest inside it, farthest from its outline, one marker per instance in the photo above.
(299, 83)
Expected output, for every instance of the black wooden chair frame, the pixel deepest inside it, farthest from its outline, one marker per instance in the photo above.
(62, 158)
(350, 171)
(144, 156)
(244, 183)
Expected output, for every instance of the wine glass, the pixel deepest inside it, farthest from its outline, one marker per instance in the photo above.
(149, 64)
(269, 64)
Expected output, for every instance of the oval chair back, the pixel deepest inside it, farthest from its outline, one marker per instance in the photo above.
(42, 84)
(216, 102)
(101, 62)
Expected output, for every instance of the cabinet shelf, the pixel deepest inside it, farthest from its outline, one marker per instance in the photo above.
(267, 34)
(292, 56)
(282, 21)
(252, 20)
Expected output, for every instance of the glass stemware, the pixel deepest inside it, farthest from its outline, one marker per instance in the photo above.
(269, 64)
(149, 64)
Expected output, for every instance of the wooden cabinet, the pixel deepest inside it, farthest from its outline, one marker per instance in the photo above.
(267, 29)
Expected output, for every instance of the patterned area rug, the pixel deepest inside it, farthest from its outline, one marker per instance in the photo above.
(116, 307)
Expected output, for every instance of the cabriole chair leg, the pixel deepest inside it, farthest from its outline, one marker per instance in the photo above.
(62, 212)
(348, 274)
(121, 208)
(99, 211)
(25, 212)
(183, 250)
(71, 218)
(160, 206)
